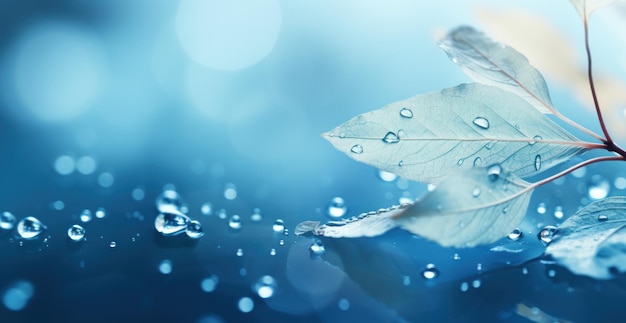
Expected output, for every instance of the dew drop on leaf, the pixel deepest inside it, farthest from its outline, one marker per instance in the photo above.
(515, 235)
(494, 171)
(390, 138)
(602, 217)
(460, 161)
(476, 192)
(431, 272)
(481, 122)
(538, 162)
(406, 113)
(535, 139)
(337, 207)
(546, 234)
(357, 149)
(401, 163)
(477, 161)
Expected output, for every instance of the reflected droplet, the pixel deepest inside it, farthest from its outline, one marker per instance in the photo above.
(279, 225)
(391, 138)
(481, 122)
(598, 187)
(430, 272)
(546, 234)
(265, 286)
(478, 161)
(602, 217)
(30, 228)
(357, 149)
(85, 216)
(194, 229)
(256, 215)
(515, 235)
(558, 212)
(406, 113)
(476, 192)
(169, 200)
(171, 223)
(165, 267)
(76, 233)
(337, 207)
(245, 304)
(206, 208)
(7, 221)
(538, 162)
(235, 222)
(317, 248)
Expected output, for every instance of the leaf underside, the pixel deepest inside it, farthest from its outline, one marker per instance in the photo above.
(429, 136)
(592, 242)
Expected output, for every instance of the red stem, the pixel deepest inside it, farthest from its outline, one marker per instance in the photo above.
(575, 167)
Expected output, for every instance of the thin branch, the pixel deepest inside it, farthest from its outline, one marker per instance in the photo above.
(608, 140)
(575, 167)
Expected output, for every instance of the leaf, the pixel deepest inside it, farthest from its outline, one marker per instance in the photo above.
(592, 242)
(586, 7)
(489, 62)
(429, 136)
(477, 206)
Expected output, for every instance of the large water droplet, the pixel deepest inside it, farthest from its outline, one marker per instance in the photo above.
(476, 192)
(357, 149)
(431, 272)
(387, 176)
(265, 286)
(76, 233)
(481, 122)
(85, 216)
(515, 235)
(194, 229)
(494, 171)
(169, 200)
(538, 162)
(171, 223)
(598, 187)
(235, 222)
(337, 207)
(391, 138)
(546, 234)
(30, 228)
(317, 248)
(7, 221)
(406, 113)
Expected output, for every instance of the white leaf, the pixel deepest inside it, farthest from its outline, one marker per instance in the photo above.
(477, 206)
(592, 242)
(429, 136)
(487, 61)
(586, 7)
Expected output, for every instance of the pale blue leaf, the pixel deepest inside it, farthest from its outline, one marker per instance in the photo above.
(586, 7)
(429, 136)
(490, 62)
(592, 242)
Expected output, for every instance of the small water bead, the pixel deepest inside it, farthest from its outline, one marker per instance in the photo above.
(401, 163)
(165, 267)
(391, 138)
(85, 216)
(281, 242)
(272, 252)
(460, 161)
(476, 192)
(387, 176)
(168, 200)
(406, 113)
(537, 162)
(230, 191)
(222, 214)
(76, 233)
(558, 212)
(541, 208)
(239, 252)
(598, 187)
(194, 229)
(30, 228)
(278, 226)
(286, 232)
(256, 215)
(456, 257)
(478, 161)
(546, 234)
(100, 213)
(235, 222)
(431, 272)
(479, 266)
(524, 271)
(7, 221)
(113, 244)
(265, 286)
(209, 284)
(535, 139)
(494, 171)
(464, 287)
(337, 207)
(603, 217)
(171, 223)
(357, 149)
(481, 122)
(245, 304)
(317, 248)
(515, 235)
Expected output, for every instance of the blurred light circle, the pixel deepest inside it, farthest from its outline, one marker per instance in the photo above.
(64, 165)
(58, 70)
(228, 35)
(86, 165)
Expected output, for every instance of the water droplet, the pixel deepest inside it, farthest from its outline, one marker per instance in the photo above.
(239, 252)
(541, 208)
(431, 272)
(538, 162)
(481, 122)
(206, 208)
(456, 256)
(169, 200)
(7, 221)
(265, 286)
(478, 161)
(85, 216)
(101, 213)
(113, 244)
(494, 171)
(489, 145)
(401, 163)
(546, 234)
(317, 248)
(256, 215)
(602, 217)
(245, 304)
(209, 284)
(476, 283)
(454, 60)
(235, 222)
(281, 242)
(30, 228)
(194, 229)
(535, 139)
(464, 287)
(558, 212)
(406, 113)
(76, 233)
(460, 161)
(598, 187)
(387, 176)
(515, 235)
(279, 225)
(479, 266)
(165, 267)
(286, 232)
(272, 252)
(171, 223)
(357, 149)
(337, 207)
(222, 214)
(230, 191)
(476, 192)
(391, 138)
